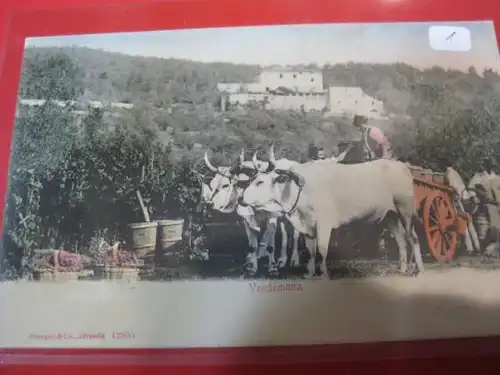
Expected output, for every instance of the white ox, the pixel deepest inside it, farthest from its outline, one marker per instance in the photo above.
(322, 196)
(283, 163)
(223, 192)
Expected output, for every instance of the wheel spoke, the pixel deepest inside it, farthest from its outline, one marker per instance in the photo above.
(433, 217)
(446, 213)
(449, 215)
(435, 208)
(439, 244)
(433, 228)
(444, 248)
(446, 244)
(435, 239)
(443, 210)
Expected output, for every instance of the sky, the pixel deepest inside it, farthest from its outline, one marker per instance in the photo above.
(299, 44)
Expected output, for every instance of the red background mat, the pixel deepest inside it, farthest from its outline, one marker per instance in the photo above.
(23, 18)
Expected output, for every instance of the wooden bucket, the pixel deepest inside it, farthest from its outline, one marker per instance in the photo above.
(142, 238)
(111, 272)
(52, 274)
(169, 234)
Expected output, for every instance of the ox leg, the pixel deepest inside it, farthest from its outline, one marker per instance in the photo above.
(324, 234)
(268, 242)
(295, 261)
(284, 246)
(417, 251)
(483, 226)
(411, 237)
(311, 248)
(474, 238)
(396, 228)
(251, 259)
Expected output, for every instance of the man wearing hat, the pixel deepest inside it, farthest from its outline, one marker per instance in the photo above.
(376, 144)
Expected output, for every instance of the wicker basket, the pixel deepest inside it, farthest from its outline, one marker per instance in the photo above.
(111, 272)
(52, 274)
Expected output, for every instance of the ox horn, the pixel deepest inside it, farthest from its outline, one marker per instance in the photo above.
(242, 156)
(255, 161)
(208, 164)
(272, 158)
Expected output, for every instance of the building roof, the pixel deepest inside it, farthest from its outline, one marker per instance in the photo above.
(298, 69)
(297, 90)
(351, 88)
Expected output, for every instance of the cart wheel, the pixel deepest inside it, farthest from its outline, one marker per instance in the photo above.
(439, 224)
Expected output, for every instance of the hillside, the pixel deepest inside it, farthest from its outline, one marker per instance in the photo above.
(428, 102)
(423, 99)
(110, 76)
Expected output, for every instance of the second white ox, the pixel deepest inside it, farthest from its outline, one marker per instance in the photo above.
(223, 193)
(320, 197)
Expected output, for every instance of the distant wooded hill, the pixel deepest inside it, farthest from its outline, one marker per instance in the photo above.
(110, 76)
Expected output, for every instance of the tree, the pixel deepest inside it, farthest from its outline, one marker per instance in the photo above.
(42, 140)
(56, 78)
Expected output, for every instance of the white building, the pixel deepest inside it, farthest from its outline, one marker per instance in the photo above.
(61, 103)
(80, 107)
(288, 89)
(303, 81)
(280, 88)
(230, 88)
(348, 101)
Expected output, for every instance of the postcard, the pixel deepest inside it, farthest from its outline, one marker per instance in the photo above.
(254, 186)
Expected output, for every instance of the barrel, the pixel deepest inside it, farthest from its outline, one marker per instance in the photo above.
(169, 233)
(142, 238)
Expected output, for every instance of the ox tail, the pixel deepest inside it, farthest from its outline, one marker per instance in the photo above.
(413, 238)
(416, 223)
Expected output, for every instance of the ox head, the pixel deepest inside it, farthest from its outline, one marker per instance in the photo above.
(227, 185)
(264, 166)
(272, 163)
(275, 191)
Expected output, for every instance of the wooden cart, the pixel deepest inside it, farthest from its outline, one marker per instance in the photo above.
(443, 221)
(437, 203)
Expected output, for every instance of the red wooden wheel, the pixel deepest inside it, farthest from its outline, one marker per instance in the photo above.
(439, 218)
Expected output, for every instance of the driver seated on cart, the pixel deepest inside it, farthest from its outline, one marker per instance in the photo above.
(376, 146)
(375, 142)
(486, 185)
